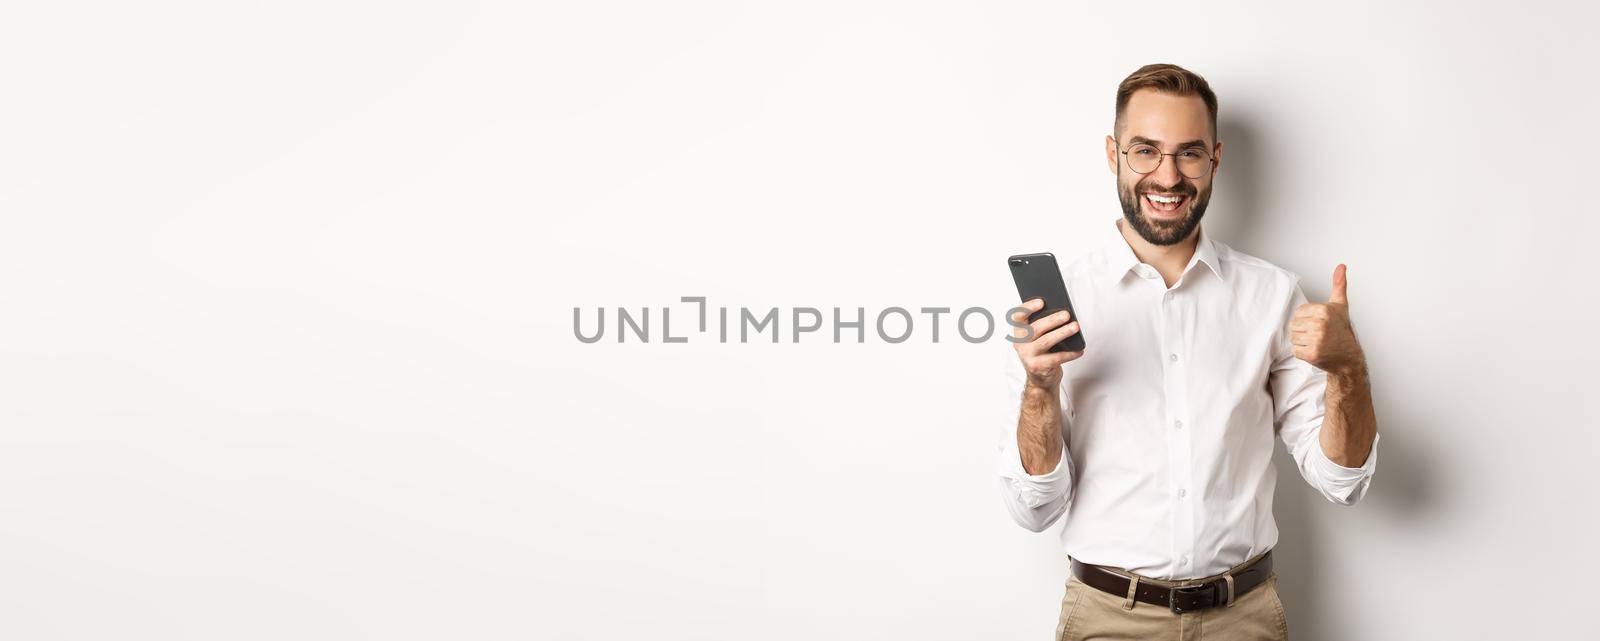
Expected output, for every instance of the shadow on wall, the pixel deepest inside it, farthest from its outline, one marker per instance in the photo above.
(1400, 489)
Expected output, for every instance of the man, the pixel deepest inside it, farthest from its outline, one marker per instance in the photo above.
(1154, 445)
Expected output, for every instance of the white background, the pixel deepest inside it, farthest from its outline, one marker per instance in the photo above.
(286, 294)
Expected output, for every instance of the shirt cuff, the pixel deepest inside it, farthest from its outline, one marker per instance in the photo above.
(1036, 489)
(1344, 485)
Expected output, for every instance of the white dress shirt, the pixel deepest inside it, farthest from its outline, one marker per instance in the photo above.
(1168, 416)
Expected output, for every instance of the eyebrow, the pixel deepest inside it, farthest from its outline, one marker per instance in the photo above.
(1192, 144)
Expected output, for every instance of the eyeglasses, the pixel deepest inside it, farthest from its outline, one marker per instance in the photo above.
(1143, 159)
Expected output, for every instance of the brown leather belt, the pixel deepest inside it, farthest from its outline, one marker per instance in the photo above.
(1180, 600)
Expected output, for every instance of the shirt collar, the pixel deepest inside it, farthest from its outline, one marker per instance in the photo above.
(1120, 258)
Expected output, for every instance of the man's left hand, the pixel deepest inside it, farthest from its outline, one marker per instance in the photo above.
(1321, 332)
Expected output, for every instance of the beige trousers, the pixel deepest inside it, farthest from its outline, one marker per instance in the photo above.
(1087, 613)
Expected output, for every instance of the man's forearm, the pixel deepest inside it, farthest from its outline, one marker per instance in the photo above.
(1039, 429)
(1349, 425)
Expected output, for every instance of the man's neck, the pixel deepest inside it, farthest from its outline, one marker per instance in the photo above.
(1169, 260)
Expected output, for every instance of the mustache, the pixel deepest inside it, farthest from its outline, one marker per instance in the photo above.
(1183, 187)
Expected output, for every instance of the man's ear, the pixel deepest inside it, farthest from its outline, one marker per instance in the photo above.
(1216, 158)
(1111, 154)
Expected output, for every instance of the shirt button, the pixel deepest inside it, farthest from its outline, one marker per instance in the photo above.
(1172, 357)
(1178, 424)
(1182, 493)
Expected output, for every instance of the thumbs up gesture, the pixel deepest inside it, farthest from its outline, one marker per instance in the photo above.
(1321, 332)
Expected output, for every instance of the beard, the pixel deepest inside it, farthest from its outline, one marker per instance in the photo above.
(1162, 232)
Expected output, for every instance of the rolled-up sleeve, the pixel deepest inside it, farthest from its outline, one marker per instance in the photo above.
(1297, 390)
(1035, 501)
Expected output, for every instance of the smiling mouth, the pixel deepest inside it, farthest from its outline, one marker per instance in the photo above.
(1165, 203)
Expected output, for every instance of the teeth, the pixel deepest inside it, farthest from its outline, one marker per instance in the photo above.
(1164, 199)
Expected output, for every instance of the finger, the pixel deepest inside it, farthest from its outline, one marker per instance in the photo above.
(1019, 316)
(1311, 310)
(1044, 343)
(1339, 283)
(1058, 359)
(1051, 322)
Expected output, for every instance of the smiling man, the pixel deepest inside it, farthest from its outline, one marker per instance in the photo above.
(1154, 445)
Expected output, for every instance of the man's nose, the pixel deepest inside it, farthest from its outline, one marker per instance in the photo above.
(1167, 173)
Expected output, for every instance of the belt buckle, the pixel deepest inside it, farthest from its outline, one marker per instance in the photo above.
(1172, 596)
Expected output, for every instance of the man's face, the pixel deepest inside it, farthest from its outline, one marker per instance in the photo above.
(1164, 206)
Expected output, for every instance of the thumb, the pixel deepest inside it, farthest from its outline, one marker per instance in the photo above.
(1339, 282)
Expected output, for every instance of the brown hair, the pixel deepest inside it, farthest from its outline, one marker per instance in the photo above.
(1170, 79)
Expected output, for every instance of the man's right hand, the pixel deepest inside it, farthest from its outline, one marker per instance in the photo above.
(1043, 366)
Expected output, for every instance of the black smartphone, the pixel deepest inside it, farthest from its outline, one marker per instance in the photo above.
(1037, 276)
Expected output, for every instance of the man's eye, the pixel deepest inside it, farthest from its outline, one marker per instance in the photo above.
(1144, 151)
(1190, 155)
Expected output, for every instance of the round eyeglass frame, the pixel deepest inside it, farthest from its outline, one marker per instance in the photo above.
(1209, 160)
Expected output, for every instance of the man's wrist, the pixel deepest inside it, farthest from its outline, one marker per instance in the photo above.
(1035, 386)
(1353, 375)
